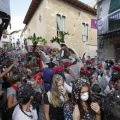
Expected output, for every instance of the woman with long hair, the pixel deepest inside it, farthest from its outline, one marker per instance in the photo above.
(14, 80)
(55, 99)
(11, 92)
(81, 106)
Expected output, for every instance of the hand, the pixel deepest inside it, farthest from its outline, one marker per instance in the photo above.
(110, 91)
(14, 62)
(37, 78)
(76, 113)
(63, 91)
(95, 107)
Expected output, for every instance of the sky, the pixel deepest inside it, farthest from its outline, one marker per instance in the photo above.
(18, 11)
(86, 1)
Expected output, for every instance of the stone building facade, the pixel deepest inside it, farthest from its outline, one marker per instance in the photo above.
(47, 17)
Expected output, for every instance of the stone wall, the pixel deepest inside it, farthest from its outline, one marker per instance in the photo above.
(108, 50)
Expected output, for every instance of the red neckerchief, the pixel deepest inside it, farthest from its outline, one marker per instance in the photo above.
(15, 87)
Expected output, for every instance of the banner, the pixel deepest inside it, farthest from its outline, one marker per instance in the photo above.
(94, 23)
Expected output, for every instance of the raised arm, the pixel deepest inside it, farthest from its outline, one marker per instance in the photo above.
(8, 69)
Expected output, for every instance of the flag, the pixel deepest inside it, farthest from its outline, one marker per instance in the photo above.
(94, 23)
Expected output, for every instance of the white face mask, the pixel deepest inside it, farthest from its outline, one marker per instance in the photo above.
(85, 96)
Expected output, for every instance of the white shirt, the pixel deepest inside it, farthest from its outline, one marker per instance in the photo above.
(19, 115)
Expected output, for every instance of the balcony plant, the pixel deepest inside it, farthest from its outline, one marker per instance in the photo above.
(60, 37)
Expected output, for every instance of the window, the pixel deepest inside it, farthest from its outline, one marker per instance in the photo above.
(114, 5)
(60, 23)
(84, 32)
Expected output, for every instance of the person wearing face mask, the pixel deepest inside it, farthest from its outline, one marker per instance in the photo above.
(81, 107)
(55, 99)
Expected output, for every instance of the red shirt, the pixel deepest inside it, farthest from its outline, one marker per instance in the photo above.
(39, 75)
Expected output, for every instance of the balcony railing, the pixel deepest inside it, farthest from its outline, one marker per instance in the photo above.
(110, 23)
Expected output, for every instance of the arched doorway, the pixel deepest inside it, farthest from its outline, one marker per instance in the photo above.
(74, 52)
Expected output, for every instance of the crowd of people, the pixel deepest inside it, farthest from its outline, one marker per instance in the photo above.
(55, 79)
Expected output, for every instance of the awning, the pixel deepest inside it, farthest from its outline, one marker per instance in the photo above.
(5, 6)
(42, 47)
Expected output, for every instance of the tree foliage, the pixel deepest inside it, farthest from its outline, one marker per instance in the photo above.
(59, 38)
(36, 40)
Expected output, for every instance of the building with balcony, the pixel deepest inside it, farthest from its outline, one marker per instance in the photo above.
(46, 18)
(5, 38)
(109, 29)
(16, 40)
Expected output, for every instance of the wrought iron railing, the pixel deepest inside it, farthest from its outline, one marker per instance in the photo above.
(110, 23)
